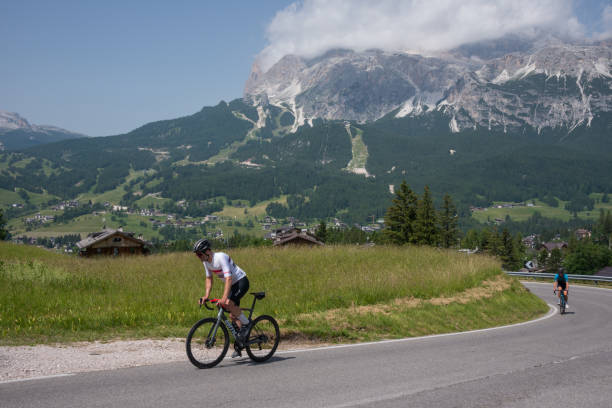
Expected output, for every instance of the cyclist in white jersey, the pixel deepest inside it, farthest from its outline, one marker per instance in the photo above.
(235, 280)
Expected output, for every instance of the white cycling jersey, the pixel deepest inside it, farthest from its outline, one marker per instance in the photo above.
(223, 266)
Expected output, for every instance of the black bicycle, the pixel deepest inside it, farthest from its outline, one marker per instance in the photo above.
(209, 339)
(562, 302)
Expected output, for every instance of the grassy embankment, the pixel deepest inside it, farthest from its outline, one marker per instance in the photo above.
(331, 294)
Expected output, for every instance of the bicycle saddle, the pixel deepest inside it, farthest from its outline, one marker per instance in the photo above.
(259, 295)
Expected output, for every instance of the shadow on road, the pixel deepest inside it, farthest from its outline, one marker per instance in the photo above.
(273, 359)
(243, 362)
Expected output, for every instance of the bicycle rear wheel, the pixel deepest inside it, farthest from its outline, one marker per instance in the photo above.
(205, 348)
(263, 338)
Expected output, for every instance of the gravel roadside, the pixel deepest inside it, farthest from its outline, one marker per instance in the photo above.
(23, 362)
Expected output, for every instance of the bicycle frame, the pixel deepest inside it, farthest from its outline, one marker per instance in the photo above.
(562, 299)
(222, 318)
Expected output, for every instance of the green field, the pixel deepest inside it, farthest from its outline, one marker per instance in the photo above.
(86, 224)
(8, 197)
(335, 294)
(89, 223)
(258, 210)
(523, 213)
(113, 196)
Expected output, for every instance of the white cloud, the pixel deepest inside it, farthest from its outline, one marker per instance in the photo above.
(311, 27)
(606, 20)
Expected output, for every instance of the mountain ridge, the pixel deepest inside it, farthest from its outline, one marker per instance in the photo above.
(365, 86)
(16, 132)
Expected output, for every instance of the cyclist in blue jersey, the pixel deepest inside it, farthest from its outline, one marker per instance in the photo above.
(236, 283)
(561, 285)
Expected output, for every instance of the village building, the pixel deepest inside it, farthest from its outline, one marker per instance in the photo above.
(112, 242)
(582, 233)
(295, 236)
(549, 246)
(530, 241)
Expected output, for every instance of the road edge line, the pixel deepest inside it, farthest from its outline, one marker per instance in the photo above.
(552, 310)
(42, 377)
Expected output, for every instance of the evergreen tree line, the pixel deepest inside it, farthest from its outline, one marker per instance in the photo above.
(503, 244)
(351, 235)
(68, 240)
(415, 220)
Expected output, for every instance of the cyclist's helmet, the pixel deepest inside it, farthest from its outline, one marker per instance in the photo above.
(201, 245)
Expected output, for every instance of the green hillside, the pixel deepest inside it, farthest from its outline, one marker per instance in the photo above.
(220, 152)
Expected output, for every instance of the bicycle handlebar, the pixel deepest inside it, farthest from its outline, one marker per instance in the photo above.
(206, 301)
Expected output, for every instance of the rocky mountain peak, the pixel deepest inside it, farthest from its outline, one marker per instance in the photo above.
(538, 81)
(12, 121)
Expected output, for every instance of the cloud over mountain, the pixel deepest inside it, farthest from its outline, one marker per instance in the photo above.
(311, 27)
(607, 24)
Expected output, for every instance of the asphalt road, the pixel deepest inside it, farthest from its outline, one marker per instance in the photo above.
(555, 361)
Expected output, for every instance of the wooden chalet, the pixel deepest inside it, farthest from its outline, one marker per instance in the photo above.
(295, 236)
(112, 242)
(549, 246)
(582, 233)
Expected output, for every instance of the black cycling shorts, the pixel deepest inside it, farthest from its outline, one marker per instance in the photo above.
(238, 290)
(562, 284)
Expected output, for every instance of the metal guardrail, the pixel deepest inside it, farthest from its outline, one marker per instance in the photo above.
(593, 278)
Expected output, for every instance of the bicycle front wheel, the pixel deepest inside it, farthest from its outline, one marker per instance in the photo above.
(263, 338)
(206, 346)
(562, 305)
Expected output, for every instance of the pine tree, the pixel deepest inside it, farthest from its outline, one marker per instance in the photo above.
(471, 240)
(542, 258)
(448, 223)
(509, 255)
(555, 260)
(492, 241)
(3, 231)
(321, 233)
(401, 216)
(426, 230)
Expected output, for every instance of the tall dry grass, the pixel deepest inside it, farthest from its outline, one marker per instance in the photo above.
(47, 297)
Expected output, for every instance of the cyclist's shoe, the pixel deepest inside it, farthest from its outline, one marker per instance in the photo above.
(243, 333)
(236, 354)
(566, 306)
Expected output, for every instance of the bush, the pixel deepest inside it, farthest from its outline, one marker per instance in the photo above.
(586, 258)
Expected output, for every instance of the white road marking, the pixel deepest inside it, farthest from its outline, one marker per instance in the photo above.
(44, 377)
(552, 311)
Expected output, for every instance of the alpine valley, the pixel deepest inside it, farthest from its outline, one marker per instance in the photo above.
(503, 120)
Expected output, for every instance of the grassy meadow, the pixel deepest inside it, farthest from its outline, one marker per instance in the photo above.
(330, 294)
(523, 213)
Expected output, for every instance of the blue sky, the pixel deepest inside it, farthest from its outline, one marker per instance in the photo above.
(107, 67)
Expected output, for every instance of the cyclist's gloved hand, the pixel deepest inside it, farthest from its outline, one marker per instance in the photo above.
(202, 300)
